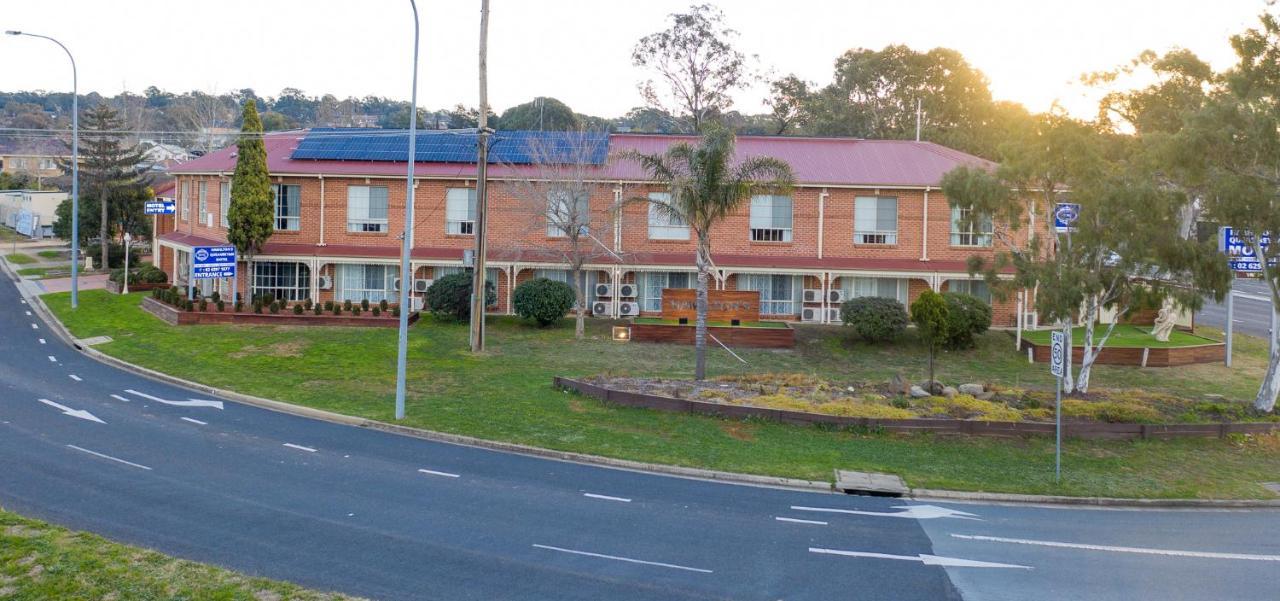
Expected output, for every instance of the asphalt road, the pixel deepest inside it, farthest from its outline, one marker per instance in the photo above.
(391, 517)
(1252, 309)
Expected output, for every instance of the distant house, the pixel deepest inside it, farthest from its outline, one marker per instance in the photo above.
(37, 157)
(159, 152)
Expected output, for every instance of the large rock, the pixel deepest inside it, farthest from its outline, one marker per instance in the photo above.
(949, 392)
(899, 384)
(933, 387)
(919, 392)
(972, 389)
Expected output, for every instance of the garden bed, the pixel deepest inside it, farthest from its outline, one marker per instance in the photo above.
(114, 287)
(763, 334)
(1132, 345)
(173, 316)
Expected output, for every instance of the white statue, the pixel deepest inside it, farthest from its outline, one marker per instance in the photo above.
(1165, 320)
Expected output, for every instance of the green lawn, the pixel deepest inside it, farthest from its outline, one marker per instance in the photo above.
(40, 272)
(719, 324)
(505, 394)
(20, 259)
(1124, 336)
(52, 254)
(39, 561)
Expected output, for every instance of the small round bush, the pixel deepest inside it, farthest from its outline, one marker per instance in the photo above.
(190, 306)
(307, 303)
(297, 309)
(364, 304)
(274, 307)
(237, 307)
(346, 305)
(317, 309)
(337, 309)
(328, 305)
(355, 310)
(377, 311)
(967, 317)
(542, 300)
(221, 305)
(204, 304)
(450, 296)
(395, 311)
(382, 304)
(257, 306)
(873, 318)
(216, 297)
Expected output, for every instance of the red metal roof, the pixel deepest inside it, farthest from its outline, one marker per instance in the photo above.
(816, 161)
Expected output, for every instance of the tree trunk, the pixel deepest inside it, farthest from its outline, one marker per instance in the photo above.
(1091, 351)
(700, 327)
(103, 227)
(580, 324)
(1270, 389)
(1068, 382)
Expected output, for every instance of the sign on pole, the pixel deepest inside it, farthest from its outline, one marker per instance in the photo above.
(213, 262)
(1240, 252)
(159, 206)
(1065, 214)
(1058, 354)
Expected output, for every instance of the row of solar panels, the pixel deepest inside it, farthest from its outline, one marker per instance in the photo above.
(505, 147)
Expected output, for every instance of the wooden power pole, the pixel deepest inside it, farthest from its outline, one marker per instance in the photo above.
(482, 192)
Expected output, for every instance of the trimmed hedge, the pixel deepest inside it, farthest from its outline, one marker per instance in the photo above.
(542, 300)
(449, 297)
(967, 317)
(875, 319)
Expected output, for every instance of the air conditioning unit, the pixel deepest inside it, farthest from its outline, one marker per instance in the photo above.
(812, 295)
(627, 290)
(604, 290)
(833, 315)
(325, 282)
(811, 314)
(599, 308)
(395, 284)
(835, 296)
(628, 309)
(421, 285)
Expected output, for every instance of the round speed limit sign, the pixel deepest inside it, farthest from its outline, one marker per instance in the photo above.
(1058, 355)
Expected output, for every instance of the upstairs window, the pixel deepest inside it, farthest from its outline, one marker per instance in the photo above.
(186, 200)
(663, 224)
(875, 220)
(978, 234)
(224, 202)
(204, 201)
(289, 207)
(460, 211)
(770, 218)
(565, 211)
(367, 208)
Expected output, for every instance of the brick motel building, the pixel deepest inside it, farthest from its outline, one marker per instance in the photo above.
(865, 218)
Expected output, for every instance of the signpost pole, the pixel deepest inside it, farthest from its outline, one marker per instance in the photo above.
(1057, 366)
(1231, 316)
(125, 289)
(1057, 447)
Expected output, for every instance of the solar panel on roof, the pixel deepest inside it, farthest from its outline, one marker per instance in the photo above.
(509, 147)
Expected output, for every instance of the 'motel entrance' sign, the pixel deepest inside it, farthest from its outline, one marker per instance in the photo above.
(1240, 252)
(213, 262)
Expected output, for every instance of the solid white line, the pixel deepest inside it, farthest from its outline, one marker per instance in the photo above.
(97, 454)
(42, 339)
(53, 359)
(626, 559)
(195, 421)
(1139, 550)
(299, 447)
(435, 473)
(120, 398)
(796, 521)
(606, 497)
(75, 377)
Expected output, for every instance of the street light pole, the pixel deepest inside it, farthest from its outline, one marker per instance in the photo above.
(406, 246)
(127, 238)
(75, 168)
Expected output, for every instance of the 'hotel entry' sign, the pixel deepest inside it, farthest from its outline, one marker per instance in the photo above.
(722, 305)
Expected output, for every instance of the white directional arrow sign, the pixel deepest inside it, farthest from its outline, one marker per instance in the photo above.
(80, 413)
(919, 512)
(929, 560)
(190, 403)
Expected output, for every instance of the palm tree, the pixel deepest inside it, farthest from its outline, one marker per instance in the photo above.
(706, 185)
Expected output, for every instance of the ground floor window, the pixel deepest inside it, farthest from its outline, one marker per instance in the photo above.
(281, 280)
(651, 284)
(490, 273)
(976, 288)
(857, 287)
(366, 282)
(779, 294)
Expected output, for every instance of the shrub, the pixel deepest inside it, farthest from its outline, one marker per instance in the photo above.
(395, 311)
(221, 304)
(239, 305)
(317, 309)
(274, 307)
(115, 255)
(355, 310)
(382, 304)
(257, 306)
(364, 304)
(542, 300)
(377, 311)
(204, 305)
(967, 316)
(875, 319)
(216, 297)
(450, 296)
(337, 309)
(306, 302)
(346, 305)
(328, 305)
(297, 309)
(190, 306)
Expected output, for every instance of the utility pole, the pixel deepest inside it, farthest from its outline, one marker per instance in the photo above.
(482, 192)
(406, 245)
(918, 118)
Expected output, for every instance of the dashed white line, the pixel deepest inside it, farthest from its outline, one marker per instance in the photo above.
(1139, 550)
(799, 521)
(606, 497)
(28, 313)
(626, 559)
(299, 447)
(119, 398)
(195, 421)
(75, 377)
(35, 327)
(435, 473)
(42, 341)
(53, 359)
(116, 459)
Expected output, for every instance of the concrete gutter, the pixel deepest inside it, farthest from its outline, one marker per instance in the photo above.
(37, 304)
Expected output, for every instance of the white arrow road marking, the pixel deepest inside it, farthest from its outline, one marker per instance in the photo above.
(435, 473)
(120, 398)
(797, 521)
(190, 403)
(299, 447)
(606, 497)
(929, 560)
(80, 413)
(78, 378)
(195, 421)
(97, 454)
(919, 512)
(1140, 550)
(626, 559)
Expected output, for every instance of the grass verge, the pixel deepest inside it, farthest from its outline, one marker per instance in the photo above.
(42, 561)
(20, 259)
(1124, 336)
(505, 394)
(42, 272)
(52, 254)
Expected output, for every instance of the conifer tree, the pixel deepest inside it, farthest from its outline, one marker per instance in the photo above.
(249, 218)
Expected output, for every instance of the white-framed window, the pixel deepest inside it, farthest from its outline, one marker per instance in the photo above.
(563, 210)
(651, 284)
(48, 164)
(357, 282)
(366, 208)
(224, 201)
(460, 211)
(875, 220)
(185, 193)
(779, 294)
(490, 273)
(977, 235)
(589, 279)
(204, 201)
(976, 288)
(282, 280)
(663, 224)
(288, 216)
(770, 218)
(894, 288)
